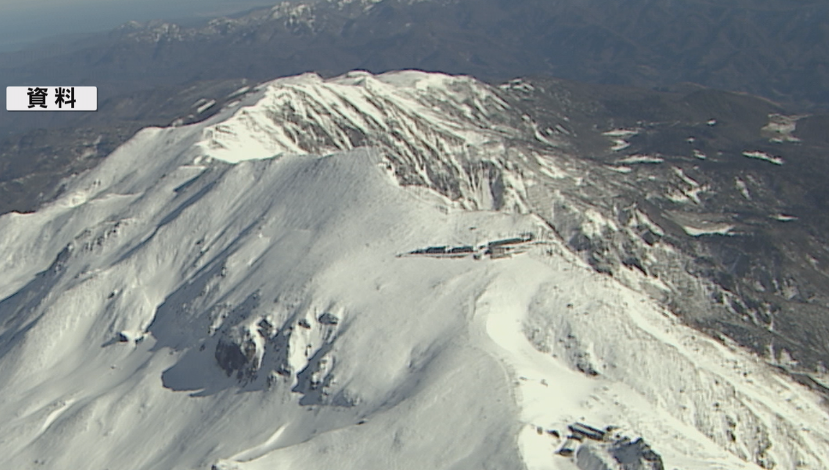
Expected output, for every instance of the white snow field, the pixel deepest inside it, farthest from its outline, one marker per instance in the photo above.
(212, 296)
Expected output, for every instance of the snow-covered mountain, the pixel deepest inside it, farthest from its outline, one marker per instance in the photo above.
(394, 271)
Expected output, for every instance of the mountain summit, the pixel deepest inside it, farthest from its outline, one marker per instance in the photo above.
(407, 270)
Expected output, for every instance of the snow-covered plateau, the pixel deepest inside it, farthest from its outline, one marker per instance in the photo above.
(229, 295)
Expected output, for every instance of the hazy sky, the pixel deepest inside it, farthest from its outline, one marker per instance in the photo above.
(23, 21)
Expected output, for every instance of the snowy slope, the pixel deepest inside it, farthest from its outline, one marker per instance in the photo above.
(229, 294)
(442, 132)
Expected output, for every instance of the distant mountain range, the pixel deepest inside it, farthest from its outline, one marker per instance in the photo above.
(773, 48)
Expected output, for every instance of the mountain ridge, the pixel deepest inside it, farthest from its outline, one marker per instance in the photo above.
(771, 50)
(166, 267)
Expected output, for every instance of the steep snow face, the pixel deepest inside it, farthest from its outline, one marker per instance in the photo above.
(113, 352)
(196, 301)
(441, 132)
